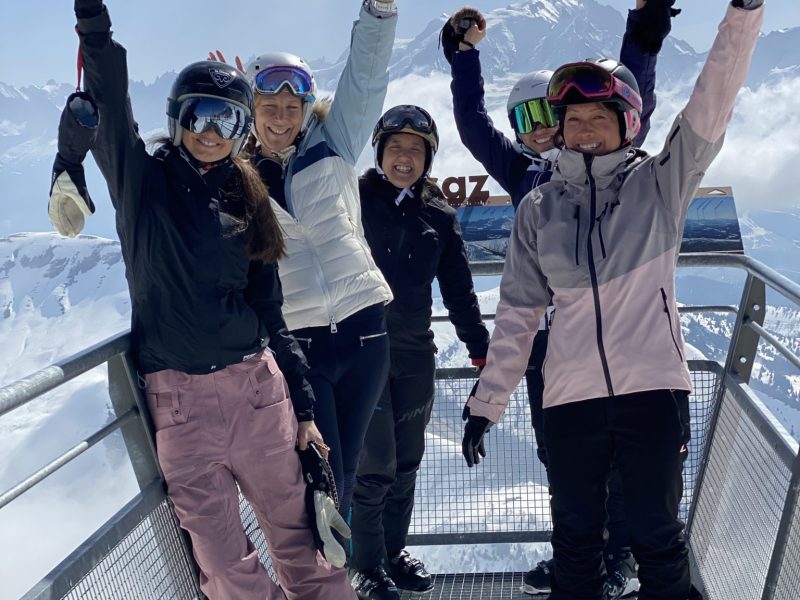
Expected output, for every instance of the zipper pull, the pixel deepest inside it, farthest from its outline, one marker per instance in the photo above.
(333, 326)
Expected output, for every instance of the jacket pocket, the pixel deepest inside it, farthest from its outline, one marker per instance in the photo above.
(268, 383)
(363, 340)
(166, 408)
(669, 323)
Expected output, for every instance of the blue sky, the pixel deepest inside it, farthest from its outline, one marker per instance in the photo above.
(163, 35)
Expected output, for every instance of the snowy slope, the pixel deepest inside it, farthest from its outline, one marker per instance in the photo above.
(57, 296)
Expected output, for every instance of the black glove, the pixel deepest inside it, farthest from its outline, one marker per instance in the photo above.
(322, 505)
(86, 9)
(653, 25)
(474, 430)
(453, 31)
(70, 202)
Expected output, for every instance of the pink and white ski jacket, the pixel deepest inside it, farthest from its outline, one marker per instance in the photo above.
(604, 236)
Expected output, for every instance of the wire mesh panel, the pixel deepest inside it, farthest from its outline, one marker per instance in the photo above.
(788, 586)
(739, 507)
(507, 492)
(148, 563)
(478, 586)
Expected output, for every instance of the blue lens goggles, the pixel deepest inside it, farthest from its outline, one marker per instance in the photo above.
(273, 79)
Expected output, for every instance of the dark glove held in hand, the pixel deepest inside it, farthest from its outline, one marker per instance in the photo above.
(653, 25)
(472, 446)
(86, 9)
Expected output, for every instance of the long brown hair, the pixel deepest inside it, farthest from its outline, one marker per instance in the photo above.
(264, 236)
(265, 239)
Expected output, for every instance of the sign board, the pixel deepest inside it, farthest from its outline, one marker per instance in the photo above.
(711, 222)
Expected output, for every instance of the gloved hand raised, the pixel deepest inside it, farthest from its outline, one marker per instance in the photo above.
(457, 26)
(70, 202)
(472, 446)
(653, 24)
(322, 505)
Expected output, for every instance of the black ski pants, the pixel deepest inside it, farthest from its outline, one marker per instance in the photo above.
(642, 434)
(387, 472)
(618, 541)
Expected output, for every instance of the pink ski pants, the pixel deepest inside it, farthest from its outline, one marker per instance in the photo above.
(237, 425)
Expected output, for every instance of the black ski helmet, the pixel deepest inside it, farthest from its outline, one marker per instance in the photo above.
(626, 100)
(210, 79)
(406, 118)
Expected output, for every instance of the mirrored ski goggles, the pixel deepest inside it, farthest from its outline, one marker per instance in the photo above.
(272, 79)
(408, 116)
(83, 109)
(198, 114)
(527, 115)
(592, 82)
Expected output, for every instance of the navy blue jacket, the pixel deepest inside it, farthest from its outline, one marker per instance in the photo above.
(198, 302)
(503, 159)
(412, 243)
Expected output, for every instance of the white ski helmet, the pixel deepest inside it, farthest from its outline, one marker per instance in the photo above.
(271, 72)
(529, 87)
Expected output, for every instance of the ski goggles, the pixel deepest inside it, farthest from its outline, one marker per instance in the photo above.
(406, 117)
(198, 114)
(591, 82)
(525, 116)
(272, 80)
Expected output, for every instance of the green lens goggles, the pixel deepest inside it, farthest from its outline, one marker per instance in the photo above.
(525, 116)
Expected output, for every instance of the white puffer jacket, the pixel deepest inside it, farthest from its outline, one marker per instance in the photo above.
(328, 273)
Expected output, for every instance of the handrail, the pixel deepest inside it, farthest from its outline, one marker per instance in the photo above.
(28, 388)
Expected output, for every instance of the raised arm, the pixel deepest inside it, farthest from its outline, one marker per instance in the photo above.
(500, 156)
(697, 134)
(458, 293)
(645, 30)
(523, 301)
(118, 151)
(362, 87)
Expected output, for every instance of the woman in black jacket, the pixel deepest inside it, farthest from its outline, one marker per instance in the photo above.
(199, 241)
(414, 236)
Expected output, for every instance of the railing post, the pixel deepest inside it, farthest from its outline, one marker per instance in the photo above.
(744, 341)
(125, 394)
(784, 530)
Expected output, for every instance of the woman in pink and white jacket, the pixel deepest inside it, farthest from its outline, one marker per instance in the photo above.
(602, 238)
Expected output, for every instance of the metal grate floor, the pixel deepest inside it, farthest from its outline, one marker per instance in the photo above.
(475, 586)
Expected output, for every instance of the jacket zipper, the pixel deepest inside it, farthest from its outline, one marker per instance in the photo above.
(593, 275)
(600, 230)
(577, 217)
(364, 338)
(669, 320)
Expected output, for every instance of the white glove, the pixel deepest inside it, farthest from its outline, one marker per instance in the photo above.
(328, 517)
(68, 208)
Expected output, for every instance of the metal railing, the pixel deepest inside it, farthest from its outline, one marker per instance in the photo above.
(740, 458)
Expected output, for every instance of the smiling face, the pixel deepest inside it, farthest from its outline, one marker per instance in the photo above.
(207, 147)
(404, 159)
(540, 139)
(278, 118)
(591, 128)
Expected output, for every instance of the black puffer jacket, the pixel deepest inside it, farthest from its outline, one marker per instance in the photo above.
(198, 303)
(412, 243)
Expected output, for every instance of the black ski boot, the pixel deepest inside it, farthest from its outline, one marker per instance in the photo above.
(373, 584)
(409, 573)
